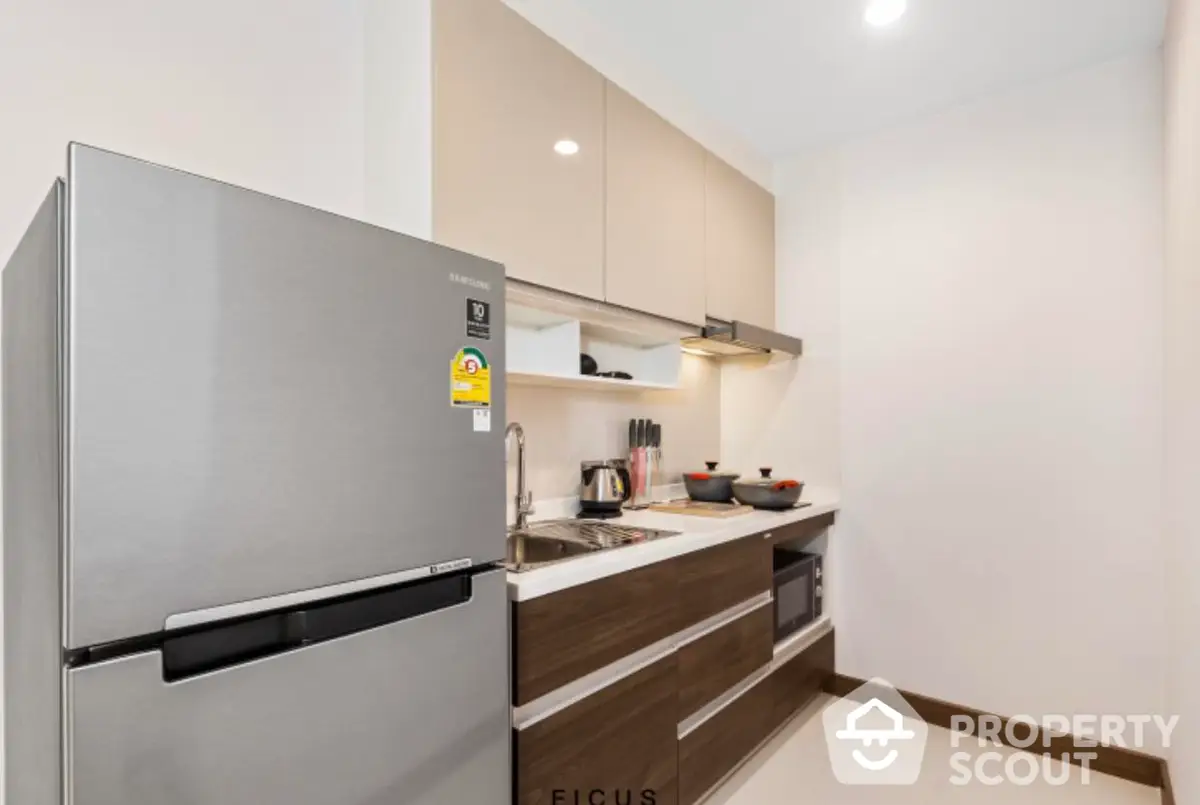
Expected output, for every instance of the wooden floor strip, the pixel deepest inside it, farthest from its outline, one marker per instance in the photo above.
(1168, 792)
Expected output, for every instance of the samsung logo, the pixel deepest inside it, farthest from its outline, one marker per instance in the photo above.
(471, 282)
(446, 567)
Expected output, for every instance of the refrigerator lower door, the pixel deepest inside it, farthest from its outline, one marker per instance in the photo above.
(412, 713)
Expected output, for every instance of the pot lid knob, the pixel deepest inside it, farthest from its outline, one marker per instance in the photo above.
(766, 471)
(712, 465)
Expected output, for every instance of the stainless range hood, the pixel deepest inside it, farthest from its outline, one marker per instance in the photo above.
(739, 338)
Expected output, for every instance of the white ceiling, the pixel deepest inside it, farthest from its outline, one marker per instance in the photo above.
(791, 74)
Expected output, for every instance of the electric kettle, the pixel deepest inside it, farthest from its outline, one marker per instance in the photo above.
(603, 487)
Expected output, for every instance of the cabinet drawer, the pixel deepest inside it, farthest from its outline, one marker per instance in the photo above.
(713, 580)
(803, 530)
(560, 637)
(618, 740)
(719, 660)
(720, 744)
(800, 679)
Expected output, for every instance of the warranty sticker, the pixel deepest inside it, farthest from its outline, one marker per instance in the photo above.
(470, 379)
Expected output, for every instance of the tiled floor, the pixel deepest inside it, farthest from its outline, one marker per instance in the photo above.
(794, 768)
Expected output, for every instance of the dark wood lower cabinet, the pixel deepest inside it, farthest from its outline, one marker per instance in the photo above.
(559, 638)
(720, 744)
(620, 741)
(802, 678)
(620, 745)
(715, 579)
(800, 532)
(716, 662)
(724, 742)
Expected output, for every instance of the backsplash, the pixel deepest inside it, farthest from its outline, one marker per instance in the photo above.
(566, 426)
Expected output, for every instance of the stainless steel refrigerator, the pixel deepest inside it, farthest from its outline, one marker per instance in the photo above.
(253, 501)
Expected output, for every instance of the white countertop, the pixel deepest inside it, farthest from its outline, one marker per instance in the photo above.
(696, 533)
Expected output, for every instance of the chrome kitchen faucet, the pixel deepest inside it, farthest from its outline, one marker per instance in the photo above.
(524, 498)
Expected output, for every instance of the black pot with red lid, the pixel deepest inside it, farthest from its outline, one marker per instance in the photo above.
(711, 486)
(766, 492)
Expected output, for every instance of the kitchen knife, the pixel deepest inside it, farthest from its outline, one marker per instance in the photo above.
(648, 475)
(633, 461)
(655, 456)
(639, 479)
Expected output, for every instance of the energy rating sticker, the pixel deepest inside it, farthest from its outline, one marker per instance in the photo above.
(470, 379)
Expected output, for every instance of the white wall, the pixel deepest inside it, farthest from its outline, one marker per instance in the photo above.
(1182, 62)
(997, 272)
(267, 94)
(399, 116)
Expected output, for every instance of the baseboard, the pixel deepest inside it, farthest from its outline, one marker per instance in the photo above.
(1168, 792)
(1116, 761)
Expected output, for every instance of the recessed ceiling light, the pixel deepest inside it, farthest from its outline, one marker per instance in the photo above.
(882, 13)
(568, 148)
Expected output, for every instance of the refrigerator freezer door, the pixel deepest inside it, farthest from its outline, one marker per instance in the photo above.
(260, 399)
(413, 713)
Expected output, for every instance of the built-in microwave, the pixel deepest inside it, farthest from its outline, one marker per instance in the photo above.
(798, 590)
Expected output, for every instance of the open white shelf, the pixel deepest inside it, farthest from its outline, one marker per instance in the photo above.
(578, 381)
(544, 349)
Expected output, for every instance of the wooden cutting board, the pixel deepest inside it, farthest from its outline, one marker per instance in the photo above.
(699, 508)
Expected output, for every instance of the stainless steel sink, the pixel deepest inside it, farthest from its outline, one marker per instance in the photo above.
(526, 551)
(545, 543)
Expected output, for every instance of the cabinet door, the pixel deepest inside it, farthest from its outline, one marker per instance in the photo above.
(654, 259)
(718, 578)
(620, 741)
(504, 95)
(561, 637)
(739, 246)
(799, 680)
(720, 659)
(719, 745)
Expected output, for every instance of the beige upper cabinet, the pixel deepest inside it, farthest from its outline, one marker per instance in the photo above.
(739, 247)
(504, 95)
(654, 260)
